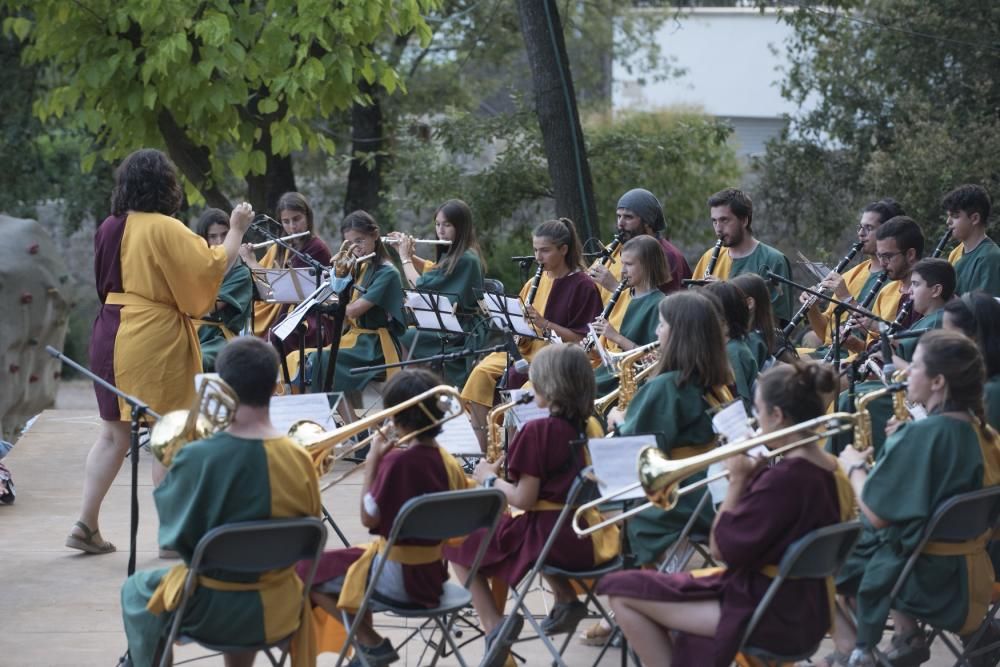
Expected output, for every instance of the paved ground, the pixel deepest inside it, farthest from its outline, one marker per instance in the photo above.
(62, 608)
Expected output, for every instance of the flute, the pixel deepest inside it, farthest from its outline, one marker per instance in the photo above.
(264, 244)
(389, 240)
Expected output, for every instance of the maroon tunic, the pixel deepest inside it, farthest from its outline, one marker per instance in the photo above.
(679, 269)
(574, 303)
(108, 275)
(780, 505)
(403, 474)
(318, 250)
(542, 450)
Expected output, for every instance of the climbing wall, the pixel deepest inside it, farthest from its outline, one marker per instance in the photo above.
(35, 307)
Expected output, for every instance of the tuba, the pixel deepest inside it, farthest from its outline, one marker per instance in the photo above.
(212, 411)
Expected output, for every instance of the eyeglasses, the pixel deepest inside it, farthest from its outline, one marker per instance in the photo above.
(886, 256)
(867, 229)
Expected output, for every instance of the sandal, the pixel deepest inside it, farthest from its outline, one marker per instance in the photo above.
(835, 659)
(596, 635)
(908, 650)
(91, 542)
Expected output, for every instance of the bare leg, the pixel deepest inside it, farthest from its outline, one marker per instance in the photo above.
(103, 463)
(482, 599)
(844, 633)
(646, 624)
(159, 472)
(366, 630)
(244, 659)
(562, 590)
(478, 414)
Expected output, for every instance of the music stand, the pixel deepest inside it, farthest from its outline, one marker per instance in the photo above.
(507, 313)
(433, 312)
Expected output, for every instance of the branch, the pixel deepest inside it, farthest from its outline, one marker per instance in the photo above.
(191, 159)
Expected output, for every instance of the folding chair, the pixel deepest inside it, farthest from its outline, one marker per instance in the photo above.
(467, 511)
(816, 555)
(959, 519)
(249, 547)
(583, 487)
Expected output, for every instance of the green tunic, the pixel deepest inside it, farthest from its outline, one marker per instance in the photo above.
(384, 290)
(638, 325)
(758, 347)
(744, 367)
(678, 416)
(764, 258)
(880, 410)
(237, 294)
(979, 269)
(932, 321)
(993, 401)
(212, 482)
(460, 287)
(922, 464)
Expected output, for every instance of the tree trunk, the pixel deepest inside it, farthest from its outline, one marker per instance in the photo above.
(192, 160)
(264, 190)
(368, 157)
(555, 106)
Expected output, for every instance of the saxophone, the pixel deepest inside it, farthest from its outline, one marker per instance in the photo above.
(495, 445)
(863, 427)
(630, 378)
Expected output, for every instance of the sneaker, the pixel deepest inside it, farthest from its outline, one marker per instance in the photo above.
(381, 654)
(502, 642)
(861, 658)
(564, 617)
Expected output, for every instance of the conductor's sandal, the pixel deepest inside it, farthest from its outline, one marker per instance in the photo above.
(91, 542)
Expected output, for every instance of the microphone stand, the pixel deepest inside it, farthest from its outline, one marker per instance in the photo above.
(434, 359)
(139, 412)
(317, 269)
(524, 263)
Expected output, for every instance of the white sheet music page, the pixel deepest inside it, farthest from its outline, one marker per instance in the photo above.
(426, 317)
(732, 423)
(496, 304)
(615, 463)
(458, 438)
(286, 410)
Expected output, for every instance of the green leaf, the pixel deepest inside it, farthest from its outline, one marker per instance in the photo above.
(20, 26)
(267, 105)
(149, 97)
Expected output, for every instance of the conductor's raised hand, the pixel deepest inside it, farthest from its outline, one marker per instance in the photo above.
(241, 217)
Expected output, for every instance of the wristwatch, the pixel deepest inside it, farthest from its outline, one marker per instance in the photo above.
(489, 482)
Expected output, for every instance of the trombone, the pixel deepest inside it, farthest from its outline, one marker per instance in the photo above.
(328, 448)
(660, 477)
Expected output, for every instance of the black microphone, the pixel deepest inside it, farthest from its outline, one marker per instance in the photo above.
(769, 276)
(520, 364)
(912, 333)
(523, 258)
(888, 368)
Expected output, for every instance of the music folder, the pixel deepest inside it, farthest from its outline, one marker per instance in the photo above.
(284, 285)
(615, 463)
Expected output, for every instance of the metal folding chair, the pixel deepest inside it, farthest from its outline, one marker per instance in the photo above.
(583, 487)
(816, 555)
(249, 547)
(422, 517)
(959, 519)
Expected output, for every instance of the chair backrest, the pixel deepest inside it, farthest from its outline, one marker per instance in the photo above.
(965, 516)
(440, 516)
(258, 546)
(493, 286)
(821, 552)
(815, 555)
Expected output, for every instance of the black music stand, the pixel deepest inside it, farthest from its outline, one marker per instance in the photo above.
(139, 413)
(507, 312)
(434, 312)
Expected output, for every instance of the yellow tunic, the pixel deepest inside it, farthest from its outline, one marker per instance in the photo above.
(886, 305)
(855, 279)
(168, 273)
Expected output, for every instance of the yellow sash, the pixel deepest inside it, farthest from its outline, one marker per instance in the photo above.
(606, 541)
(350, 339)
(226, 332)
(130, 299)
(273, 588)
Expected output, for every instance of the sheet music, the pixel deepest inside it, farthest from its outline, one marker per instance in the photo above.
(732, 422)
(525, 412)
(500, 306)
(423, 306)
(817, 269)
(292, 319)
(458, 438)
(320, 408)
(285, 285)
(615, 463)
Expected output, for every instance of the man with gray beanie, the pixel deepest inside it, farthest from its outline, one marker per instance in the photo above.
(639, 213)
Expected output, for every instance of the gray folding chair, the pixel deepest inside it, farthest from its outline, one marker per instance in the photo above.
(583, 487)
(816, 555)
(249, 547)
(438, 517)
(959, 519)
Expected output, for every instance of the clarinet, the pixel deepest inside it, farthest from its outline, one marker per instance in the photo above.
(716, 249)
(534, 285)
(804, 310)
(609, 250)
(897, 324)
(939, 250)
(590, 342)
(869, 299)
